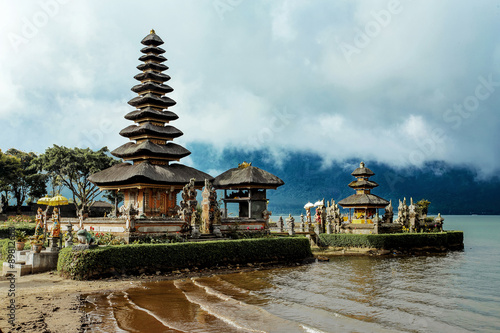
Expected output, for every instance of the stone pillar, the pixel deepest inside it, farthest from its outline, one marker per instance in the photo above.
(376, 224)
(328, 224)
(280, 224)
(69, 239)
(205, 205)
(290, 221)
(302, 227)
(53, 244)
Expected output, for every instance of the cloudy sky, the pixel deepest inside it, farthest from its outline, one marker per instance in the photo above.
(401, 82)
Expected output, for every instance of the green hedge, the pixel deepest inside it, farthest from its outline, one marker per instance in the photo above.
(395, 241)
(4, 231)
(130, 259)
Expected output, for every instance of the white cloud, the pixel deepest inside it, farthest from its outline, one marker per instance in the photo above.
(270, 75)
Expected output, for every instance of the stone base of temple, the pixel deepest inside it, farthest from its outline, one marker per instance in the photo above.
(383, 228)
(157, 227)
(242, 224)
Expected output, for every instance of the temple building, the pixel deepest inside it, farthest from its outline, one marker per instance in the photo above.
(364, 204)
(245, 187)
(150, 180)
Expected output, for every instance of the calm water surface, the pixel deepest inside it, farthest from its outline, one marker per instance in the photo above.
(456, 292)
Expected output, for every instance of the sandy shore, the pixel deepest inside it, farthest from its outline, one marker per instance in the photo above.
(48, 303)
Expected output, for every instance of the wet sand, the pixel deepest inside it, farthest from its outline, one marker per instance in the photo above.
(49, 303)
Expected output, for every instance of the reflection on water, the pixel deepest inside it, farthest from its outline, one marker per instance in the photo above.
(456, 292)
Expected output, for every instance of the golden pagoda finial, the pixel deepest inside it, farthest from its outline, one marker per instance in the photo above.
(244, 165)
(152, 31)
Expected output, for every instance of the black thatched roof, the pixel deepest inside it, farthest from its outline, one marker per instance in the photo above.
(152, 39)
(152, 57)
(167, 132)
(160, 77)
(147, 148)
(147, 173)
(151, 113)
(161, 102)
(249, 176)
(363, 200)
(362, 171)
(362, 184)
(152, 86)
(152, 49)
(152, 65)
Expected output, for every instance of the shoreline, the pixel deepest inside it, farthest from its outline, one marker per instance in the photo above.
(48, 303)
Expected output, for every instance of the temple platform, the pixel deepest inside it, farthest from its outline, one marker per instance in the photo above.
(29, 262)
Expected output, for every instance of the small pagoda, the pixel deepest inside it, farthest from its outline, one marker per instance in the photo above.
(150, 181)
(364, 204)
(246, 187)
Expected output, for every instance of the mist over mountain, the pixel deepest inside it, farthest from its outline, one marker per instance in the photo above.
(451, 189)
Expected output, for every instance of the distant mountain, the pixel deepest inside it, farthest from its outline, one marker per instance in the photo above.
(450, 189)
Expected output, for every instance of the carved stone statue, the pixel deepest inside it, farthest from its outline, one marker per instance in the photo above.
(39, 222)
(84, 237)
(188, 203)
(438, 222)
(290, 221)
(56, 226)
(389, 215)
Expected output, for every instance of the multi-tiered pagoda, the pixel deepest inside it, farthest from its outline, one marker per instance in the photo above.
(151, 181)
(364, 203)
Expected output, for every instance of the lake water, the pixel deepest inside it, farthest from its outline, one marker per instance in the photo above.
(455, 292)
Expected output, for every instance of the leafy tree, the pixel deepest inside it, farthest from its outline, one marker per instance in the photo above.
(423, 206)
(112, 195)
(8, 168)
(73, 166)
(24, 181)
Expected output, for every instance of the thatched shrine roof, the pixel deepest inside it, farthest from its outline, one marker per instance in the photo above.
(362, 171)
(149, 112)
(152, 49)
(249, 176)
(152, 130)
(152, 39)
(156, 76)
(131, 149)
(357, 200)
(152, 100)
(153, 66)
(363, 184)
(144, 87)
(147, 173)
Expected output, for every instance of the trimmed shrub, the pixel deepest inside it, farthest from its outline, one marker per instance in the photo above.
(4, 245)
(5, 233)
(394, 241)
(130, 259)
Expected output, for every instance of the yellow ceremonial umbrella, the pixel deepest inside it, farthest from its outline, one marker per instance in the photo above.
(44, 201)
(58, 200)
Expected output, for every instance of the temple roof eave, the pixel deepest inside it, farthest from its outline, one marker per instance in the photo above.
(369, 200)
(248, 177)
(166, 132)
(151, 113)
(124, 174)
